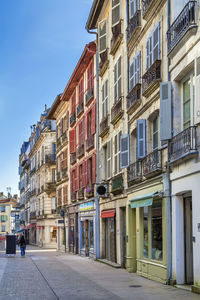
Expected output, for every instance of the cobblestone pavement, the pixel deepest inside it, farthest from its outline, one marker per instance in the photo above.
(50, 275)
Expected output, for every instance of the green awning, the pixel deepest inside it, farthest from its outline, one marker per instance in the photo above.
(144, 200)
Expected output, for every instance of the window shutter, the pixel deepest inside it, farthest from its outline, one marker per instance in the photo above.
(165, 111)
(124, 151)
(102, 36)
(131, 74)
(94, 168)
(148, 53)
(77, 178)
(119, 77)
(138, 63)
(93, 126)
(115, 82)
(71, 182)
(72, 137)
(84, 173)
(197, 91)
(67, 120)
(86, 129)
(156, 43)
(115, 12)
(141, 138)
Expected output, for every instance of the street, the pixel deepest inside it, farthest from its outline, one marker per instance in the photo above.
(47, 274)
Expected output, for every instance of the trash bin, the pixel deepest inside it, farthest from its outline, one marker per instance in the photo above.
(10, 244)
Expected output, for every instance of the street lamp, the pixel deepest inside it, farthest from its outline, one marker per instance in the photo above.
(62, 214)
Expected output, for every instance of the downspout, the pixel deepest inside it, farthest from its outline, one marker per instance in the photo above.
(97, 217)
(169, 189)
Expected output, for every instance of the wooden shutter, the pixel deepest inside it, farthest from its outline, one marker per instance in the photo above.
(197, 91)
(72, 138)
(156, 43)
(141, 138)
(102, 36)
(124, 151)
(94, 168)
(165, 111)
(77, 178)
(115, 83)
(67, 120)
(86, 123)
(84, 179)
(86, 173)
(93, 125)
(115, 12)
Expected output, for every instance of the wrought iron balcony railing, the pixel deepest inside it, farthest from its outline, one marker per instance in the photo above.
(89, 191)
(134, 23)
(104, 127)
(117, 184)
(134, 172)
(89, 96)
(81, 194)
(151, 78)
(58, 144)
(79, 109)
(32, 214)
(90, 143)
(73, 196)
(183, 144)
(50, 187)
(58, 176)
(115, 40)
(72, 119)
(64, 173)
(64, 137)
(73, 158)
(50, 158)
(145, 6)
(152, 163)
(185, 21)
(80, 151)
(117, 111)
(134, 98)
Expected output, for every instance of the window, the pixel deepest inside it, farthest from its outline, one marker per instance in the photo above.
(3, 228)
(3, 208)
(65, 194)
(90, 76)
(91, 234)
(105, 99)
(145, 232)
(115, 12)
(134, 76)
(89, 166)
(102, 36)
(134, 5)
(80, 176)
(81, 91)
(73, 103)
(117, 80)
(109, 159)
(53, 203)
(89, 124)
(155, 133)
(117, 153)
(153, 46)
(186, 104)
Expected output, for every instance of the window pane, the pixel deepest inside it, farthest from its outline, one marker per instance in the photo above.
(91, 235)
(186, 104)
(156, 234)
(145, 237)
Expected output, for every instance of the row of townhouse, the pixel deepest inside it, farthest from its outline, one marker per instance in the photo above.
(127, 142)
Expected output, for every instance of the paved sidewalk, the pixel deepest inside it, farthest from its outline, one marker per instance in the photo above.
(50, 275)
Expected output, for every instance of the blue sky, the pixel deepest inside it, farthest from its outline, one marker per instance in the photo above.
(40, 44)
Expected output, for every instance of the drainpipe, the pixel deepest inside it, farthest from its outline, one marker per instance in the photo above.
(97, 217)
(168, 183)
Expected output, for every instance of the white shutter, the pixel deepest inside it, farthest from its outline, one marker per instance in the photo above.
(141, 138)
(124, 151)
(131, 8)
(165, 111)
(148, 53)
(115, 12)
(138, 62)
(131, 75)
(156, 43)
(102, 36)
(197, 91)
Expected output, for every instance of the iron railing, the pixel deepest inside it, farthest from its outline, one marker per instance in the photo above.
(50, 187)
(32, 214)
(89, 95)
(73, 196)
(134, 172)
(73, 118)
(117, 110)
(145, 6)
(117, 184)
(134, 22)
(81, 194)
(134, 96)
(50, 158)
(183, 144)
(80, 151)
(58, 144)
(185, 21)
(64, 136)
(64, 172)
(79, 109)
(72, 158)
(104, 127)
(152, 163)
(152, 75)
(90, 142)
(89, 191)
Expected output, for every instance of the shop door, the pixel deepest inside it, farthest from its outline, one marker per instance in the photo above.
(188, 240)
(123, 230)
(110, 239)
(71, 233)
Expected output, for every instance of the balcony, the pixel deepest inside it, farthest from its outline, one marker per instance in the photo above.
(90, 143)
(50, 187)
(104, 127)
(64, 173)
(89, 191)
(134, 98)
(117, 185)
(73, 196)
(134, 24)
(58, 176)
(104, 62)
(184, 25)
(152, 164)
(73, 158)
(64, 137)
(89, 96)
(32, 171)
(151, 79)
(117, 111)
(134, 173)
(80, 151)
(72, 119)
(33, 215)
(50, 159)
(81, 194)
(116, 38)
(80, 109)
(183, 146)
(145, 6)
(59, 142)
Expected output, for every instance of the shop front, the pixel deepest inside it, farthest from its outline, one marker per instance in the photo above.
(87, 229)
(109, 232)
(146, 234)
(73, 230)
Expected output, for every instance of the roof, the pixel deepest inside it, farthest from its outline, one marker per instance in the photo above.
(94, 14)
(50, 115)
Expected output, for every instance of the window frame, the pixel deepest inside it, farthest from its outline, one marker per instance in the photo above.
(191, 78)
(150, 59)
(118, 79)
(117, 152)
(104, 96)
(136, 76)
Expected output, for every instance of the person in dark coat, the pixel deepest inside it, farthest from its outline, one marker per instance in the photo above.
(22, 244)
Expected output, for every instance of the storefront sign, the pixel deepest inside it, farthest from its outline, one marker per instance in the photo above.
(87, 206)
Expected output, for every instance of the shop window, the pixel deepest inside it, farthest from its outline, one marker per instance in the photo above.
(3, 228)
(91, 234)
(83, 234)
(156, 230)
(53, 234)
(145, 232)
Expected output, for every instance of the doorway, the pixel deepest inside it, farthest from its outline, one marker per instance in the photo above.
(110, 241)
(188, 241)
(123, 237)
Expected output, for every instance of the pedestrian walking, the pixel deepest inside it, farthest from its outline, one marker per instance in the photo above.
(22, 244)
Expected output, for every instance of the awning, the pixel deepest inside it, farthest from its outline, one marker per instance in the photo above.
(145, 200)
(109, 213)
